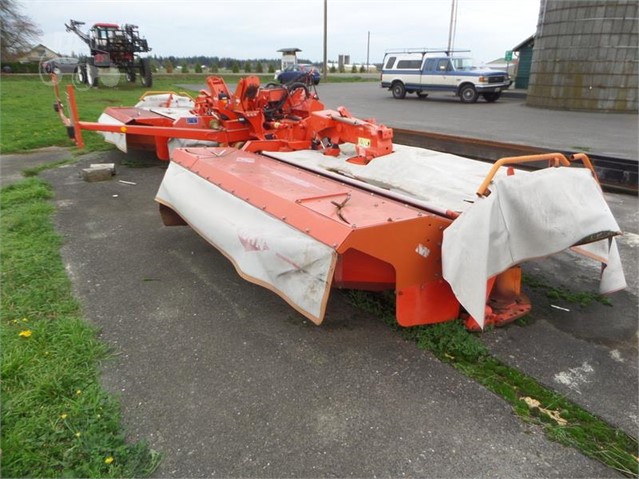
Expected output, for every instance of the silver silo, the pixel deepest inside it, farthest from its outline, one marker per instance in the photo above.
(586, 56)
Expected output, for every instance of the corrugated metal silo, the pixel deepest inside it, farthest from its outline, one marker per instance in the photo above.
(586, 56)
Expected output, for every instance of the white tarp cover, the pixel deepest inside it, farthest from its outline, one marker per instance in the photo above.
(150, 102)
(525, 217)
(180, 107)
(446, 181)
(118, 139)
(528, 215)
(187, 143)
(263, 249)
(167, 104)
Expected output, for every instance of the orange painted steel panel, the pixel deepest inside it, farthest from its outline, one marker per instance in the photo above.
(357, 270)
(382, 243)
(138, 115)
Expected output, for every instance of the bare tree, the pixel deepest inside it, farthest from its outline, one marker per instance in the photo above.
(17, 30)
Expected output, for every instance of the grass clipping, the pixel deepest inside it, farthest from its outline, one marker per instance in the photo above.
(56, 419)
(562, 420)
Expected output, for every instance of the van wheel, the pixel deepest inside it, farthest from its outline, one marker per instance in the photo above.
(468, 94)
(491, 96)
(399, 91)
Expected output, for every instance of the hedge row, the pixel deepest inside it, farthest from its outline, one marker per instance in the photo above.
(17, 67)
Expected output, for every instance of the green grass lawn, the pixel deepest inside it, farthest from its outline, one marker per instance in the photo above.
(28, 120)
(57, 421)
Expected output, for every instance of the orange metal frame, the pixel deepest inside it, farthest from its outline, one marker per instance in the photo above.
(271, 119)
(375, 237)
(382, 243)
(554, 160)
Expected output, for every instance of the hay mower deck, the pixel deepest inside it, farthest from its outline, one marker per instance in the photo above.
(302, 199)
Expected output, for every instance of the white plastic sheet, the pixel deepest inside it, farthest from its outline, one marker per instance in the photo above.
(446, 181)
(181, 106)
(525, 217)
(263, 249)
(118, 139)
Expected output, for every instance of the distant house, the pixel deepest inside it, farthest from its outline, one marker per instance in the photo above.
(525, 52)
(503, 65)
(289, 56)
(37, 54)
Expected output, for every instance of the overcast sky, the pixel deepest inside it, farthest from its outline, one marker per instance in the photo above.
(249, 29)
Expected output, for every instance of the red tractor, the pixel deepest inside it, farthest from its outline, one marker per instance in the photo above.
(112, 46)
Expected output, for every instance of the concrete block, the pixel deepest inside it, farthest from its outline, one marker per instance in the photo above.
(109, 166)
(96, 174)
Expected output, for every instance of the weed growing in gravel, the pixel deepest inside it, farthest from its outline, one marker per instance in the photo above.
(562, 420)
(56, 419)
(553, 292)
(36, 170)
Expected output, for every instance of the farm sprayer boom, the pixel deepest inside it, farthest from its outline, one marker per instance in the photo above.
(112, 46)
(302, 199)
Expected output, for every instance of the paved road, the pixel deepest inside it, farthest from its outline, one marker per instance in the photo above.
(508, 120)
(227, 380)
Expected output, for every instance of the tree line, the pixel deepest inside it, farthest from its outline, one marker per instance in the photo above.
(201, 63)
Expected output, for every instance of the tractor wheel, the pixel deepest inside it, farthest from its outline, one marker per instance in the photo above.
(297, 86)
(146, 75)
(399, 91)
(130, 76)
(80, 74)
(468, 94)
(92, 75)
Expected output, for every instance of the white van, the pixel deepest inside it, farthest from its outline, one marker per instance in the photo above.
(422, 71)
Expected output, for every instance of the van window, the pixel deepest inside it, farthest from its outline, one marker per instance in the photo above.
(390, 62)
(463, 63)
(409, 64)
(444, 65)
(430, 64)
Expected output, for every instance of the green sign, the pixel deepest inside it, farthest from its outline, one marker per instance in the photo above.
(508, 56)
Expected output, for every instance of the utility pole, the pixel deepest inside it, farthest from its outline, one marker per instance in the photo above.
(325, 39)
(368, 50)
(452, 27)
